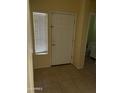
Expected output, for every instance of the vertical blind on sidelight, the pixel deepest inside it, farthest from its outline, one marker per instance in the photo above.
(40, 22)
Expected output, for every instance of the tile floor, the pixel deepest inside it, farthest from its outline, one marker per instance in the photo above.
(66, 79)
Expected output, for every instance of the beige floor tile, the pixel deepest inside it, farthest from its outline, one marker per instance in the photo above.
(68, 87)
(66, 79)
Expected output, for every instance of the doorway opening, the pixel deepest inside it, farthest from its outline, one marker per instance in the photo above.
(90, 54)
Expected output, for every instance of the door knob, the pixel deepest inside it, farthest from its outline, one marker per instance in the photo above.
(51, 26)
(53, 44)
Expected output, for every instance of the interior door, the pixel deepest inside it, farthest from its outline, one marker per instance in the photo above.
(62, 38)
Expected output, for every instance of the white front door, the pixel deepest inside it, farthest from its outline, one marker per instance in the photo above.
(62, 38)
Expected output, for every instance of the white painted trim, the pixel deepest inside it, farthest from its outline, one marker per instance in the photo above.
(50, 33)
(41, 11)
(44, 66)
(41, 53)
(63, 12)
(74, 38)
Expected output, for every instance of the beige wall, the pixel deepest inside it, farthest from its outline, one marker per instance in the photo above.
(62, 5)
(88, 6)
(52, 5)
(81, 34)
(93, 6)
(80, 7)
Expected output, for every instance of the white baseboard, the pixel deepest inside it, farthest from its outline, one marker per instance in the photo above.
(45, 66)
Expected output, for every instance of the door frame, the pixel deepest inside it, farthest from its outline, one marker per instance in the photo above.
(73, 41)
(89, 18)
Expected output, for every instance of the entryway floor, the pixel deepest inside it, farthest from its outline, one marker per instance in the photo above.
(66, 79)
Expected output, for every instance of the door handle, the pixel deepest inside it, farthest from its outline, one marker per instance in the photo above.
(52, 26)
(53, 44)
